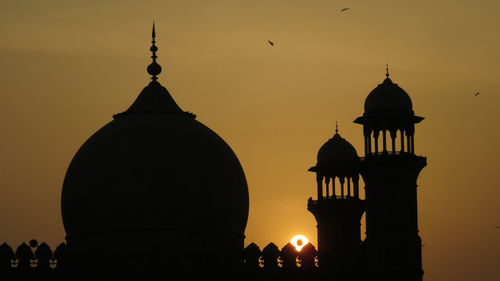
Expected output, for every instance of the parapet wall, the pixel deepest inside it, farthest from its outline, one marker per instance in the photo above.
(34, 261)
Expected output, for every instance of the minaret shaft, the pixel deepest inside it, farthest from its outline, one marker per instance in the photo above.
(339, 235)
(392, 241)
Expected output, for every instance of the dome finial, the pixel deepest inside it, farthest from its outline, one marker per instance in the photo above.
(336, 127)
(153, 34)
(154, 68)
(387, 70)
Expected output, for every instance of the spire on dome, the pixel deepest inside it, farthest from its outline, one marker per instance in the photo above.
(154, 98)
(336, 127)
(154, 68)
(387, 70)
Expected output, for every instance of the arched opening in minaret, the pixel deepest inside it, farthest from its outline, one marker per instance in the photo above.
(337, 187)
(361, 188)
(363, 227)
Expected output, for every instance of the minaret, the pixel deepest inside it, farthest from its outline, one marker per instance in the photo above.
(338, 209)
(390, 170)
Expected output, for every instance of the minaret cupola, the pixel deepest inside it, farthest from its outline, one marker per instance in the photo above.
(337, 159)
(388, 112)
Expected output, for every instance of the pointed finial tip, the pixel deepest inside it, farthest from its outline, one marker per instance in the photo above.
(387, 70)
(336, 127)
(154, 68)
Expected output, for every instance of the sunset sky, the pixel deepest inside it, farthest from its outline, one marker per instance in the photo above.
(67, 66)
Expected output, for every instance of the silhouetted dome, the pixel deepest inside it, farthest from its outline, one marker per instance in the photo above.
(388, 97)
(336, 151)
(154, 167)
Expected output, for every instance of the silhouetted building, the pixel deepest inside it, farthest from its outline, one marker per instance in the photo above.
(392, 248)
(154, 191)
(338, 209)
(155, 194)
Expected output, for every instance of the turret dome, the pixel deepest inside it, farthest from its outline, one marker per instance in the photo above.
(388, 97)
(336, 150)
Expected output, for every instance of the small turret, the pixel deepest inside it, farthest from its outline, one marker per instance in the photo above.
(338, 213)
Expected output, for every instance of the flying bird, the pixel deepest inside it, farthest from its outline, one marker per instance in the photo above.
(476, 94)
(270, 43)
(345, 9)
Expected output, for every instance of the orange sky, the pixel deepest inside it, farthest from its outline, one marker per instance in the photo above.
(66, 68)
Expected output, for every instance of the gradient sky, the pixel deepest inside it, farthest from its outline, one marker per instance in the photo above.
(67, 66)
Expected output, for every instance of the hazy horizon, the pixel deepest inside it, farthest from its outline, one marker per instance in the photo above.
(67, 67)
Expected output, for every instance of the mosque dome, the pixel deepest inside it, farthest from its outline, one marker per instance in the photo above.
(155, 168)
(337, 151)
(388, 97)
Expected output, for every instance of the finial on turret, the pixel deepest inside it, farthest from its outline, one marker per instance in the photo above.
(387, 70)
(154, 68)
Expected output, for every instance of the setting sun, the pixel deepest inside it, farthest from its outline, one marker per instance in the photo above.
(299, 241)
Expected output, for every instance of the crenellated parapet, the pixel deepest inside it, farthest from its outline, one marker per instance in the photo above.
(272, 259)
(31, 261)
(34, 261)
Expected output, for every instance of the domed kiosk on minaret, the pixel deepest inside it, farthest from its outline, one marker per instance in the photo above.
(337, 159)
(154, 190)
(388, 110)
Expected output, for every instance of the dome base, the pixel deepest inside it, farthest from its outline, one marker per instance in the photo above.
(154, 252)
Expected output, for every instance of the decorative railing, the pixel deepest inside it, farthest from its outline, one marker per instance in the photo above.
(389, 154)
(324, 198)
(288, 259)
(34, 261)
